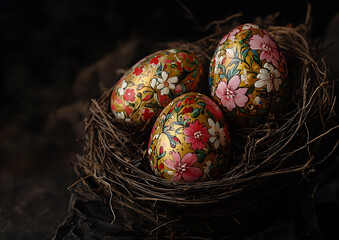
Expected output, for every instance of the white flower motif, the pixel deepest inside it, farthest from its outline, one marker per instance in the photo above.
(217, 133)
(172, 51)
(120, 115)
(170, 172)
(154, 83)
(249, 26)
(218, 60)
(165, 83)
(121, 90)
(230, 52)
(244, 76)
(149, 151)
(270, 77)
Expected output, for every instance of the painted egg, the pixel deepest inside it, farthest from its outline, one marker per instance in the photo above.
(189, 140)
(248, 75)
(151, 84)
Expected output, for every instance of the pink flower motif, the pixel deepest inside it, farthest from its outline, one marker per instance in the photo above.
(197, 134)
(231, 95)
(183, 167)
(129, 95)
(267, 46)
(230, 35)
(178, 89)
(212, 107)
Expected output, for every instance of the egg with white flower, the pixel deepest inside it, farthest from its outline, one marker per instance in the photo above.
(248, 75)
(190, 140)
(152, 83)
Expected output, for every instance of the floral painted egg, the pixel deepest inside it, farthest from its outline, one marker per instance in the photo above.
(152, 83)
(248, 75)
(189, 140)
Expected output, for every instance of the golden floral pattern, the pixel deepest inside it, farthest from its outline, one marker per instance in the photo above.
(152, 83)
(248, 74)
(190, 140)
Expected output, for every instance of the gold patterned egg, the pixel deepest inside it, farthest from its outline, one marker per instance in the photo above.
(248, 75)
(151, 84)
(189, 140)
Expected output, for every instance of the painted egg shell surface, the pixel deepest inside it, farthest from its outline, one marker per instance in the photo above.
(248, 75)
(151, 84)
(190, 140)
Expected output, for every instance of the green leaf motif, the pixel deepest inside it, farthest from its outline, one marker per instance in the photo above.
(162, 155)
(202, 104)
(235, 71)
(222, 67)
(159, 70)
(170, 94)
(168, 116)
(236, 54)
(255, 53)
(196, 112)
(244, 54)
(234, 61)
(201, 156)
(250, 90)
(256, 59)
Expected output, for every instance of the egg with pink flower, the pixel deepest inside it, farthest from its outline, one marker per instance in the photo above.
(248, 75)
(152, 83)
(190, 140)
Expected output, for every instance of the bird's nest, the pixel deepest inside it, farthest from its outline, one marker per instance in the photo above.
(289, 145)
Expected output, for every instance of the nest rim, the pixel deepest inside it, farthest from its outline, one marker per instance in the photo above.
(127, 182)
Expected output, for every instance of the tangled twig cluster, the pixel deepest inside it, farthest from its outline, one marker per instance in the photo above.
(116, 157)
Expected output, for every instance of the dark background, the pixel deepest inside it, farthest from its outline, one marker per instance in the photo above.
(45, 49)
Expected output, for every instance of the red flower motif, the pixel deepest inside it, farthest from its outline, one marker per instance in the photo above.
(184, 167)
(161, 166)
(147, 97)
(178, 104)
(212, 107)
(128, 110)
(188, 110)
(197, 134)
(137, 71)
(147, 114)
(129, 95)
(189, 100)
(154, 61)
(166, 60)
